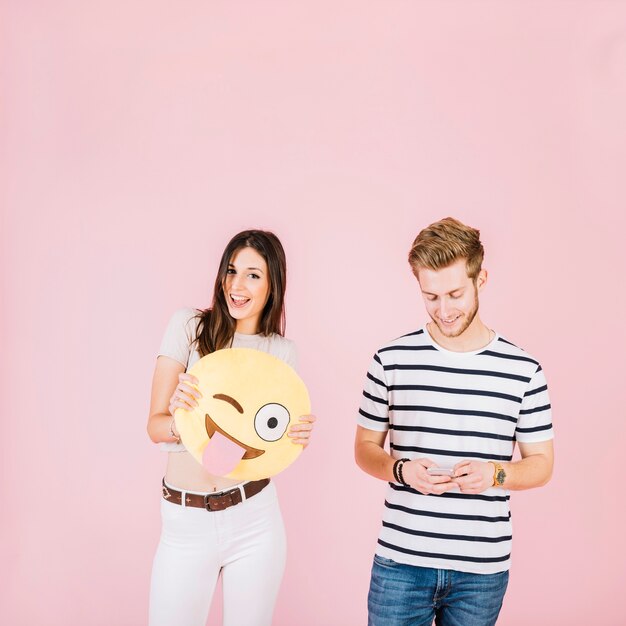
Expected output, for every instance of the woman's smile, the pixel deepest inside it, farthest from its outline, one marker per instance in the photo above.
(246, 288)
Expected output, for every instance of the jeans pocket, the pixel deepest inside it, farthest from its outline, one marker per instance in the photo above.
(384, 562)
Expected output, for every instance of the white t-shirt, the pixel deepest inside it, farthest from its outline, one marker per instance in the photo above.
(179, 344)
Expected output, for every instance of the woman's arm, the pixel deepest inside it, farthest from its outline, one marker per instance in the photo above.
(169, 392)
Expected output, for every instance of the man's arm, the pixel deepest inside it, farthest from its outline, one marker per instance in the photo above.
(370, 454)
(533, 470)
(371, 457)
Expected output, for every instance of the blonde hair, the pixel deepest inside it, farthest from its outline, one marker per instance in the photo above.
(444, 242)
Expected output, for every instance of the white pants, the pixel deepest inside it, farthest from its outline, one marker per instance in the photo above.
(245, 544)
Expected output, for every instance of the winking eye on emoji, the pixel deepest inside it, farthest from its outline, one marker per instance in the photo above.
(239, 428)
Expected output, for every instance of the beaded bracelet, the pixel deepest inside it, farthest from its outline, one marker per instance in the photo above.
(397, 472)
(400, 475)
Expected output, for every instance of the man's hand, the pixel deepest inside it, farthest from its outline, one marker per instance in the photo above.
(414, 473)
(473, 476)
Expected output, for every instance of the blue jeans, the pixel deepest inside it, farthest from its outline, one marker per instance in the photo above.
(406, 595)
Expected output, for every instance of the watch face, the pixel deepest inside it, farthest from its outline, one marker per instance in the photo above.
(500, 476)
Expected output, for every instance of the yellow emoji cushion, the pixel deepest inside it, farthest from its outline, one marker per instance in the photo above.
(249, 400)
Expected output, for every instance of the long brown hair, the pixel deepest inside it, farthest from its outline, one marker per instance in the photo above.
(216, 327)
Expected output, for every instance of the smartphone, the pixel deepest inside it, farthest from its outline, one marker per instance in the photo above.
(440, 471)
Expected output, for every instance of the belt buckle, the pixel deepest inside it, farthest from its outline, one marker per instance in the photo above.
(225, 499)
(209, 499)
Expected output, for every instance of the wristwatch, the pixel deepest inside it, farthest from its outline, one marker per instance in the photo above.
(499, 475)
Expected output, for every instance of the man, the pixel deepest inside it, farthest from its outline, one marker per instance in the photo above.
(455, 397)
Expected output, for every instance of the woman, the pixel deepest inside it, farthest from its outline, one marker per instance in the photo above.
(243, 541)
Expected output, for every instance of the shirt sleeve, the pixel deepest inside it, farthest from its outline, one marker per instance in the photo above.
(535, 417)
(178, 337)
(290, 354)
(374, 409)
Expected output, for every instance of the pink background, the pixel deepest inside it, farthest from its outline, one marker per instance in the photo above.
(137, 137)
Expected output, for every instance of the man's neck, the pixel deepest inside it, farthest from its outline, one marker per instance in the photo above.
(474, 337)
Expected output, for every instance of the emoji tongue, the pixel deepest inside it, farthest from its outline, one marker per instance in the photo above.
(221, 455)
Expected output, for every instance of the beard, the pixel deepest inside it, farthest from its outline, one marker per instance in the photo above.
(466, 320)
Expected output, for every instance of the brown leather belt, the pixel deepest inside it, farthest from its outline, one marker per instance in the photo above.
(215, 501)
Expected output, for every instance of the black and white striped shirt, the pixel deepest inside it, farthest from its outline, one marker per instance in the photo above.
(450, 406)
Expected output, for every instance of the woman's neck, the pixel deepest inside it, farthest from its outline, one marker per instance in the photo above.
(247, 327)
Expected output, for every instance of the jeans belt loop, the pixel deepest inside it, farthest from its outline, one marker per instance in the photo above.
(242, 491)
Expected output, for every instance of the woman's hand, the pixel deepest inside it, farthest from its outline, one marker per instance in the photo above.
(185, 396)
(301, 432)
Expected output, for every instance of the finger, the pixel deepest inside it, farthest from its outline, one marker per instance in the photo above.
(426, 463)
(440, 488)
(179, 404)
(466, 483)
(472, 490)
(189, 399)
(186, 399)
(309, 419)
(301, 441)
(182, 397)
(461, 465)
(299, 435)
(447, 486)
(435, 480)
(466, 470)
(443, 488)
(470, 486)
(301, 427)
(463, 483)
(188, 382)
(192, 391)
